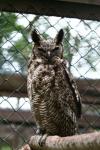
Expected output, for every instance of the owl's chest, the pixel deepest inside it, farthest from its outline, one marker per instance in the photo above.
(42, 75)
(46, 76)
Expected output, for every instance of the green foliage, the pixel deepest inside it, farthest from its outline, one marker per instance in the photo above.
(19, 49)
(4, 146)
(20, 52)
(8, 25)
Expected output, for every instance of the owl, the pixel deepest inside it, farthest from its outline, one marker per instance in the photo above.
(54, 98)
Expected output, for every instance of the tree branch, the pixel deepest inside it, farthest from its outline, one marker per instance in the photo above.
(90, 141)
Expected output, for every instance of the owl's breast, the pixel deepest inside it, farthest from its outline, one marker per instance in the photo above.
(43, 75)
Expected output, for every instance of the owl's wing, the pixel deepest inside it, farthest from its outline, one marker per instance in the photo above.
(74, 89)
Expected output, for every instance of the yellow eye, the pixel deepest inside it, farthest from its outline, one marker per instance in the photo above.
(41, 49)
(56, 48)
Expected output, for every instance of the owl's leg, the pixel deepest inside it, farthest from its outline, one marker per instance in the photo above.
(42, 139)
(42, 132)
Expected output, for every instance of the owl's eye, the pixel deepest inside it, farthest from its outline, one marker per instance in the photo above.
(41, 49)
(56, 48)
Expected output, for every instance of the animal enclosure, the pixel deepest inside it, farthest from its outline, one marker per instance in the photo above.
(81, 26)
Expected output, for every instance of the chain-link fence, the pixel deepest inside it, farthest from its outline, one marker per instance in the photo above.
(81, 45)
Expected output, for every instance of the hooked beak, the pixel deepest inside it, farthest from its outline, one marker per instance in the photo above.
(48, 54)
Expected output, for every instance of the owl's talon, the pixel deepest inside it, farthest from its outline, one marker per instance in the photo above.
(42, 140)
(40, 131)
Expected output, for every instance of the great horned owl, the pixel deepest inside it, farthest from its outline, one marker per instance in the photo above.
(53, 94)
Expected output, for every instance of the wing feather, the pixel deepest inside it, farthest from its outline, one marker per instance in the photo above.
(74, 89)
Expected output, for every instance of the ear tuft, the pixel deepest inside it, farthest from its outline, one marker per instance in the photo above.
(59, 37)
(35, 37)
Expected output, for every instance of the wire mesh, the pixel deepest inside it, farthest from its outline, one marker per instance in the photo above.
(81, 49)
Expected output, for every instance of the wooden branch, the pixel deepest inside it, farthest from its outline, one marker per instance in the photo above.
(25, 147)
(90, 141)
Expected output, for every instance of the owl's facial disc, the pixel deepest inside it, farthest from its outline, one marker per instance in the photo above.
(50, 53)
(45, 53)
(49, 49)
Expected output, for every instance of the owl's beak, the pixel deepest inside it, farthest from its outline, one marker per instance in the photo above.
(48, 54)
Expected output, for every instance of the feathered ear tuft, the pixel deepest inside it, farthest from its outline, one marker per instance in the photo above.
(59, 37)
(35, 37)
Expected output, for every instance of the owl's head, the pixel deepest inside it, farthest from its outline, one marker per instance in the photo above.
(48, 50)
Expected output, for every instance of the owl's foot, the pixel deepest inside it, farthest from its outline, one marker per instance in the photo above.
(40, 131)
(42, 139)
